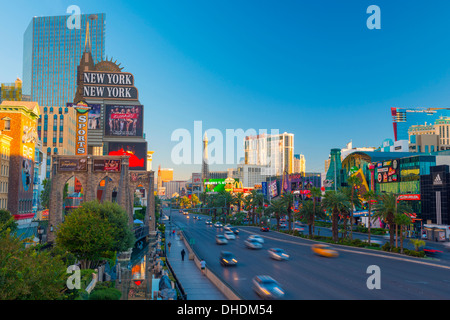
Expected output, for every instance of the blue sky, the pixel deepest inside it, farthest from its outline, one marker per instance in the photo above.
(311, 68)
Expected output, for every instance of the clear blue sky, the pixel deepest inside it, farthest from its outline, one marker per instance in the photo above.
(311, 68)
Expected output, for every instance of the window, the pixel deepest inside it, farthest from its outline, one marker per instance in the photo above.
(7, 124)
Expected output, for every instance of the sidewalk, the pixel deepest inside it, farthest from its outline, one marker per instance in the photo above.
(194, 283)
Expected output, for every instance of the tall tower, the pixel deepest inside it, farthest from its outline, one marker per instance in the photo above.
(51, 53)
(205, 166)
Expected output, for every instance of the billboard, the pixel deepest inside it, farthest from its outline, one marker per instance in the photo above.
(72, 164)
(82, 115)
(272, 188)
(387, 171)
(108, 85)
(216, 185)
(124, 121)
(197, 178)
(136, 150)
(110, 165)
(94, 116)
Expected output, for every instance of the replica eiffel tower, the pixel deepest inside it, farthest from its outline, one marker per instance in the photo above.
(205, 165)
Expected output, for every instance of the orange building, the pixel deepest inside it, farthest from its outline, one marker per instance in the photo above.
(18, 120)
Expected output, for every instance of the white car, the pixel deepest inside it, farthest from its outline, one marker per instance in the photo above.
(218, 225)
(229, 235)
(256, 238)
(278, 254)
(220, 239)
(253, 244)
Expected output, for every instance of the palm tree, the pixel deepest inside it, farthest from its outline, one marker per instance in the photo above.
(309, 211)
(238, 199)
(402, 220)
(354, 182)
(337, 203)
(371, 197)
(277, 207)
(387, 209)
(288, 199)
(258, 201)
(355, 201)
(315, 194)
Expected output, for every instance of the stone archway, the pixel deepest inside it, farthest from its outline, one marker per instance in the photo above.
(90, 170)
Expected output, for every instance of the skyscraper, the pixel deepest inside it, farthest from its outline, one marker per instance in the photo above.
(273, 150)
(51, 54)
(404, 118)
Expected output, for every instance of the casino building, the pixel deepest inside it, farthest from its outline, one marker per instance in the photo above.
(412, 176)
(114, 121)
(18, 121)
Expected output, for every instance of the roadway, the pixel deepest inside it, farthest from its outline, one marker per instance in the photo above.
(308, 276)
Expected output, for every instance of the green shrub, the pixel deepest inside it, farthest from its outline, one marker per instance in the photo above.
(105, 294)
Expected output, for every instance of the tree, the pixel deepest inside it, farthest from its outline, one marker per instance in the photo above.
(238, 199)
(95, 232)
(194, 200)
(277, 207)
(402, 220)
(387, 209)
(7, 221)
(309, 211)
(288, 199)
(118, 219)
(185, 202)
(45, 193)
(27, 274)
(315, 193)
(336, 203)
(353, 182)
(354, 201)
(371, 198)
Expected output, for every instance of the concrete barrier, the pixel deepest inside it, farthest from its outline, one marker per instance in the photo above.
(223, 287)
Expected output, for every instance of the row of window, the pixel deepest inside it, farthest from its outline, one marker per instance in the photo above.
(4, 203)
(5, 170)
(3, 187)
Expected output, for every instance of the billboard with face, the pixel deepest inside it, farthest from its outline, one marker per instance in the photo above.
(123, 121)
(136, 150)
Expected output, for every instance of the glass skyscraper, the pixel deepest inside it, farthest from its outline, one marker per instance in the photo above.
(404, 118)
(51, 54)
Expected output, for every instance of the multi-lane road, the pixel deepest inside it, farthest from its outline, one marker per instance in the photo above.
(308, 276)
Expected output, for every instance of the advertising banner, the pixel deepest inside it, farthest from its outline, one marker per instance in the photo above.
(272, 188)
(124, 120)
(110, 165)
(387, 171)
(216, 185)
(82, 114)
(108, 85)
(136, 150)
(72, 164)
(264, 188)
(94, 116)
(197, 178)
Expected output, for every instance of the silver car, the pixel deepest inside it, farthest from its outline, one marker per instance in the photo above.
(253, 244)
(278, 254)
(220, 239)
(267, 288)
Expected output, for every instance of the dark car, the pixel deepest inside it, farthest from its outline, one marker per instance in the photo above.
(234, 230)
(432, 252)
(227, 259)
(264, 228)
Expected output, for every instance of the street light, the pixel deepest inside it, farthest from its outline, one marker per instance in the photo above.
(40, 232)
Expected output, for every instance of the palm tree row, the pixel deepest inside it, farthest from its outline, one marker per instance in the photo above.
(339, 205)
